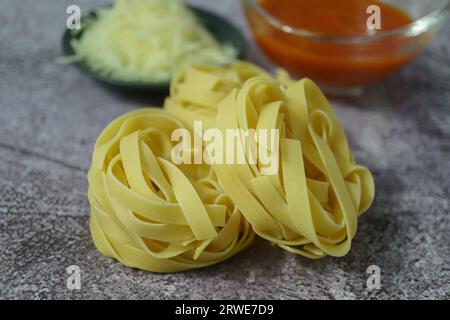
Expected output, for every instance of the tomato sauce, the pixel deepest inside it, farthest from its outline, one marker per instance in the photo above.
(328, 62)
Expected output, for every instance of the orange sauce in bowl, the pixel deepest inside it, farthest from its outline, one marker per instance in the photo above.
(330, 62)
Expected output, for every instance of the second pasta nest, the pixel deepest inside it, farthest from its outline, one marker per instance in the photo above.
(151, 212)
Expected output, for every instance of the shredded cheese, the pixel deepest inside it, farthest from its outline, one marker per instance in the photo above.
(147, 41)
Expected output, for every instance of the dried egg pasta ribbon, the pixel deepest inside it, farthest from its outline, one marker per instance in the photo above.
(195, 91)
(310, 207)
(149, 213)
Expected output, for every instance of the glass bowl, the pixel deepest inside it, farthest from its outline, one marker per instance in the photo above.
(346, 63)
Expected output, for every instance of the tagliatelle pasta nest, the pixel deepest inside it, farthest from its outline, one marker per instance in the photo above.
(310, 206)
(151, 213)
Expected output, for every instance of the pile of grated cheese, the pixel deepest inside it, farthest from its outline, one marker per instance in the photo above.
(147, 41)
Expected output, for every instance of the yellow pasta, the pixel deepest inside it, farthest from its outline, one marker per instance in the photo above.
(311, 206)
(195, 91)
(151, 214)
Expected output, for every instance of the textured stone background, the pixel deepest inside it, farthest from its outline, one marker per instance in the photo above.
(50, 116)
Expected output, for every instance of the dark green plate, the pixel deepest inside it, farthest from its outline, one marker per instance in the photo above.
(222, 30)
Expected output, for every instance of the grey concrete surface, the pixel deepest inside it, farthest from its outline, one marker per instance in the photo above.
(50, 116)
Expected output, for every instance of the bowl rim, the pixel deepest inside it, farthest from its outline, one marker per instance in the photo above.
(415, 28)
